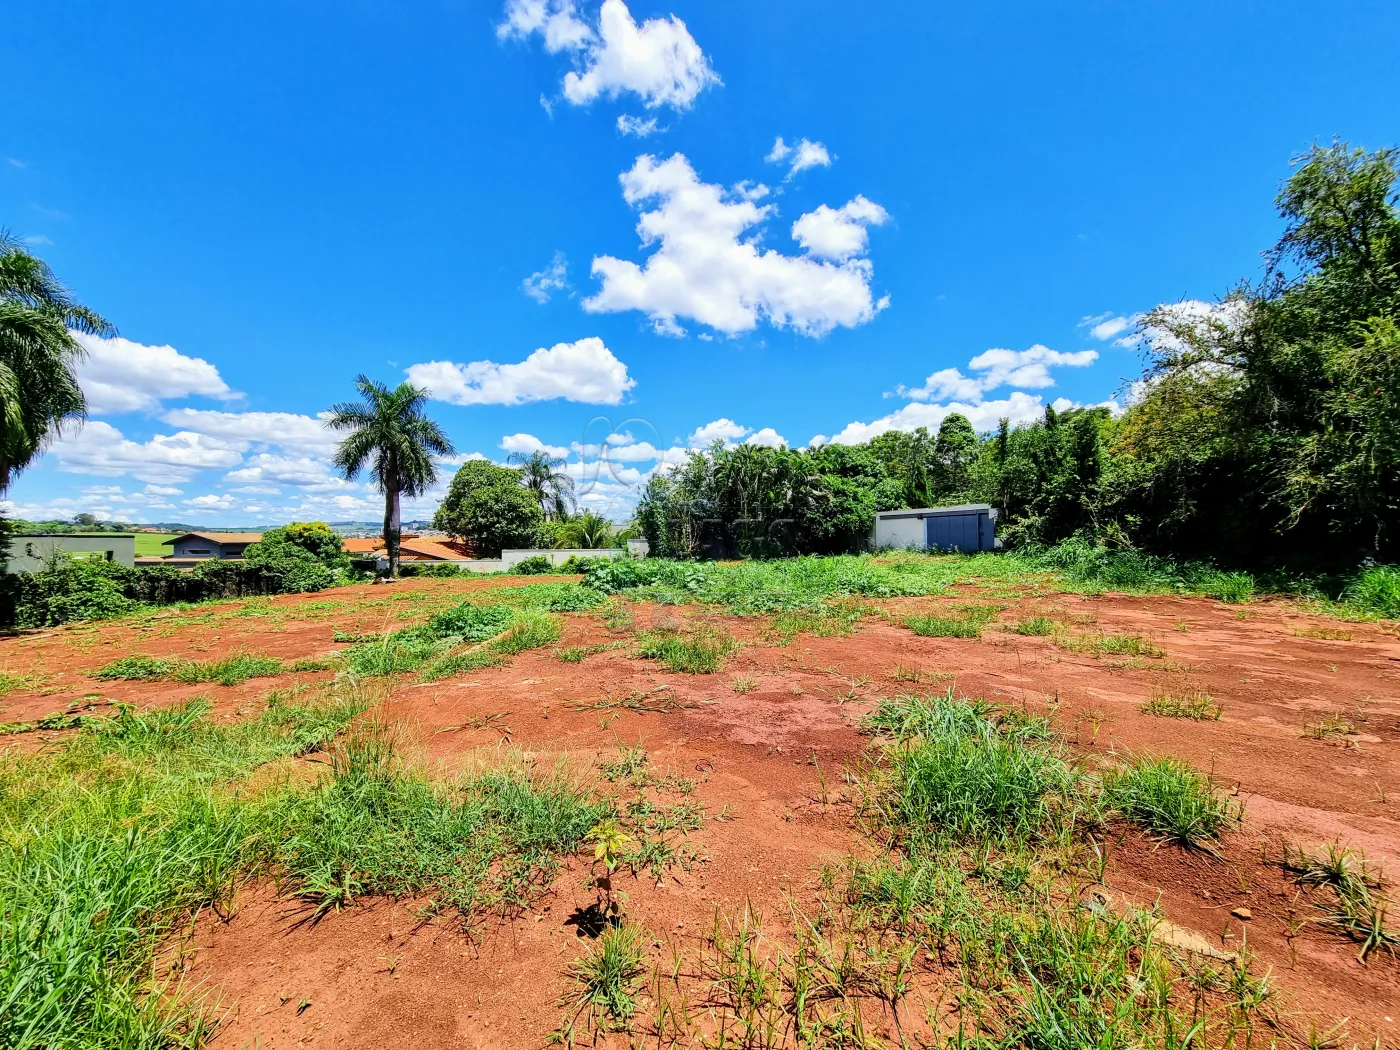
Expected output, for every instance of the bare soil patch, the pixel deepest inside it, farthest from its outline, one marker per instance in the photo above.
(768, 742)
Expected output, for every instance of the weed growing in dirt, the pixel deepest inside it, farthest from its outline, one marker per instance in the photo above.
(1035, 626)
(114, 840)
(919, 675)
(379, 827)
(1357, 906)
(14, 683)
(233, 670)
(944, 626)
(1167, 796)
(1202, 707)
(576, 654)
(630, 766)
(743, 683)
(1329, 726)
(701, 650)
(660, 700)
(606, 979)
(1098, 645)
(460, 663)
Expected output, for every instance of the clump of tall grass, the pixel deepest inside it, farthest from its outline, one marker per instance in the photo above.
(1202, 707)
(531, 629)
(1358, 905)
(232, 670)
(1034, 626)
(111, 842)
(1169, 797)
(701, 650)
(1101, 644)
(606, 979)
(1376, 590)
(958, 771)
(944, 626)
(378, 827)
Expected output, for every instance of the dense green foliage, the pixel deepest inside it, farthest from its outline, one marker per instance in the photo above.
(66, 590)
(387, 432)
(1265, 433)
(39, 389)
(487, 505)
(315, 537)
(552, 488)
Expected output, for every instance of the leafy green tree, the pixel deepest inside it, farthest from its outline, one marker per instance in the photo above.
(315, 537)
(954, 452)
(487, 505)
(552, 488)
(39, 389)
(389, 434)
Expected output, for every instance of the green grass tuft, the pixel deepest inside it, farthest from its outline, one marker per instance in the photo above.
(944, 626)
(1169, 797)
(1202, 707)
(702, 650)
(1035, 626)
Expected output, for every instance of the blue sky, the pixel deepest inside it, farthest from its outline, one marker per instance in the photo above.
(269, 198)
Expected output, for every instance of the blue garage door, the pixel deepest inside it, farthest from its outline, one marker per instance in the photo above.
(954, 532)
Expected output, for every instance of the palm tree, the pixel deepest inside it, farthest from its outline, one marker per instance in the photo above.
(389, 433)
(587, 531)
(552, 487)
(39, 389)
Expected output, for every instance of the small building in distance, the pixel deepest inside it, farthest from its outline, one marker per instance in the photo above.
(31, 552)
(968, 527)
(201, 546)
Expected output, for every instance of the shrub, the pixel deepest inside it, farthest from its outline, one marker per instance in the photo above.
(473, 623)
(66, 590)
(285, 567)
(535, 565)
(579, 563)
(316, 538)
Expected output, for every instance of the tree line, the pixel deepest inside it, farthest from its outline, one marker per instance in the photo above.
(1264, 433)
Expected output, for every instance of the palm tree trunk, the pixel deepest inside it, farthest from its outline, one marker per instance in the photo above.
(392, 524)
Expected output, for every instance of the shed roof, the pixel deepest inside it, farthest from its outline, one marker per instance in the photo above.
(220, 537)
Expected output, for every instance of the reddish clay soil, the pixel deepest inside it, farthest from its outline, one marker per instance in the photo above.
(377, 975)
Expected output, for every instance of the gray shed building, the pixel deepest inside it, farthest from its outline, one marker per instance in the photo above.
(200, 546)
(30, 552)
(968, 527)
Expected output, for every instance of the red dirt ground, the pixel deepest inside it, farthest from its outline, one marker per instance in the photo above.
(373, 975)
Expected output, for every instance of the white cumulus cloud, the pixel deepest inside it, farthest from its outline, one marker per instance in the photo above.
(244, 429)
(806, 154)
(708, 267)
(100, 448)
(767, 436)
(584, 371)
(998, 367)
(722, 429)
(118, 375)
(552, 278)
(838, 233)
(528, 443)
(658, 61)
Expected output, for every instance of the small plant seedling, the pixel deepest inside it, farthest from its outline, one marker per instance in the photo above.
(743, 683)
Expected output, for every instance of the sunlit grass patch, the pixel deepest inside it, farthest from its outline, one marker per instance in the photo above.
(1101, 644)
(605, 980)
(1358, 905)
(1035, 626)
(232, 670)
(944, 626)
(1202, 707)
(1331, 634)
(11, 682)
(531, 629)
(701, 650)
(1169, 797)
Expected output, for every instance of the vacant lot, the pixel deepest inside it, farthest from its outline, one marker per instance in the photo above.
(496, 812)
